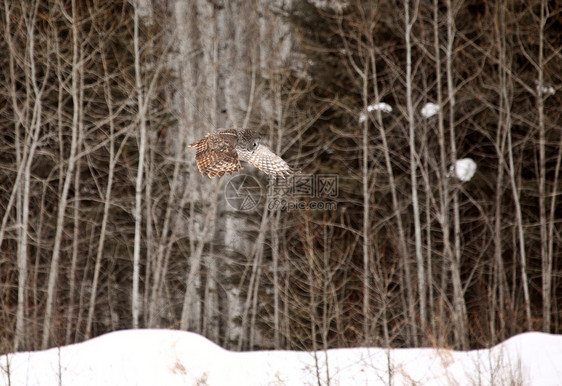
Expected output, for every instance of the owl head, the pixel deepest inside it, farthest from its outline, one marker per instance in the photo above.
(248, 140)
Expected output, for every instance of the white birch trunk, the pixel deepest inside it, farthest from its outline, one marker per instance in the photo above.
(366, 214)
(546, 242)
(67, 180)
(107, 202)
(458, 293)
(135, 298)
(505, 77)
(21, 189)
(413, 166)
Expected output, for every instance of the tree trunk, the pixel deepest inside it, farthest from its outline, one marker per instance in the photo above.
(458, 293)
(135, 300)
(63, 201)
(413, 167)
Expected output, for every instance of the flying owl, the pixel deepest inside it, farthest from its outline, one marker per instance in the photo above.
(221, 151)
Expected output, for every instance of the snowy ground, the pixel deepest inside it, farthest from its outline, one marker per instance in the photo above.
(167, 357)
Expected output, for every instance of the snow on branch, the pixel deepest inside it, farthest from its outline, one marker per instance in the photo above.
(429, 110)
(381, 106)
(463, 169)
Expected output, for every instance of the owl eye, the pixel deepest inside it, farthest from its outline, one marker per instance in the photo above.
(253, 145)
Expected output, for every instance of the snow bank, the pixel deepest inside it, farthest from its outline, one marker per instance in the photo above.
(166, 357)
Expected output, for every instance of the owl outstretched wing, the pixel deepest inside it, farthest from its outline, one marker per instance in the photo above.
(269, 162)
(216, 153)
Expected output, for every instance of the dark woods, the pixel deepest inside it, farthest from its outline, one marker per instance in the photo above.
(106, 223)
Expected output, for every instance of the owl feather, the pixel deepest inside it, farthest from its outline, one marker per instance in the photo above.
(221, 151)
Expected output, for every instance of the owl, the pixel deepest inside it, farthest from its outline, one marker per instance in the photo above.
(221, 151)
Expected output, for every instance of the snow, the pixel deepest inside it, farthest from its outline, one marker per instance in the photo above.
(384, 107)
(545, 90)
(429, 110)
(463, 169)
(168, 357)
(334, 5)
(548, 90)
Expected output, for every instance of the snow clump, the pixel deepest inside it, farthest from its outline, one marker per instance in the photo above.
(463, 169)
(429, 110)
(384, 107)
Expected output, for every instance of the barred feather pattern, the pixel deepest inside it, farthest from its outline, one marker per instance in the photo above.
(269, 162)
(221, 151)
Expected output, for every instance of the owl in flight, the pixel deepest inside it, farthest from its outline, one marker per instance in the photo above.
(222, 150)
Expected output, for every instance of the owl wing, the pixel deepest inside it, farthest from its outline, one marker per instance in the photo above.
(269, 162)
(216, 153)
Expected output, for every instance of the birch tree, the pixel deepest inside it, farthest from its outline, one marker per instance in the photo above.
(135, 300)
(505, 83)
(546, 242)
(458, 293)
(409, 22)
(55, 258)
(24, 157)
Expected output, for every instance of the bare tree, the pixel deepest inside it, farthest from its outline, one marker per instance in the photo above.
(55, 258)
(24, 160)
(113, 159)
(458, 293)
(409, 22)
(443, 160)
(546, 257)
(135, 300)
(505, 108)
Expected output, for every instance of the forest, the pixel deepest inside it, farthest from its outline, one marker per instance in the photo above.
(377, 240)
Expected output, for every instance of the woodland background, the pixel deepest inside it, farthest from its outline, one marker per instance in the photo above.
(106, 223)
